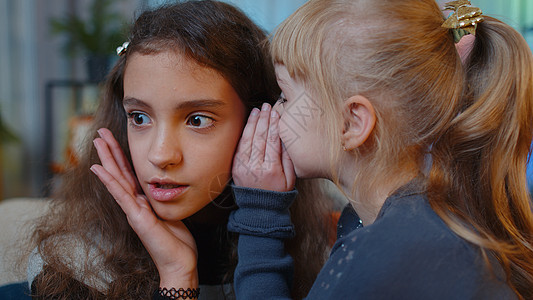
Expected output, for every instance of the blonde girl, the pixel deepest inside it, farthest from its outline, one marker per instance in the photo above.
(428, 139)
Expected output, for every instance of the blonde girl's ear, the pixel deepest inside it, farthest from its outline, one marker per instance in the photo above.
(359, 121)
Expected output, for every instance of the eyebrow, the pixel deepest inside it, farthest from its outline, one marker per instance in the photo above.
(189, 104)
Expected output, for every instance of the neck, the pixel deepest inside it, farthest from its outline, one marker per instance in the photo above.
(216, 212)
(366, 197)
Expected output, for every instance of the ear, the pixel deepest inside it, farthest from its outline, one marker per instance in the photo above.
(359, 120)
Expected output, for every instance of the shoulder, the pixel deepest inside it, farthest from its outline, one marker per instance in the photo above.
(410, 250)
(411, 237)
(35, 266)
(406, 226)
(85, 258)
(409, 223)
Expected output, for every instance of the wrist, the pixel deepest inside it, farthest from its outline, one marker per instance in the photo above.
(179, 281)
(178, 286)
(176, 293)
(264, 200)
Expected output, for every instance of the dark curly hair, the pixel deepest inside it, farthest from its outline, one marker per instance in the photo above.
(215, 35)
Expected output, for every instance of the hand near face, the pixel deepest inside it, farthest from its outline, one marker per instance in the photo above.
(261, 161)
(170, 244)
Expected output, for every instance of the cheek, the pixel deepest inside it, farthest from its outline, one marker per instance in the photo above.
(217, 184)
(214, 155)
(138, 152)
(229, 137)
(288, 133)
(134, 150)
(212, 164)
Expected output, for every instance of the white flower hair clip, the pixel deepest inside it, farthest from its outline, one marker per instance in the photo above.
(123, 48)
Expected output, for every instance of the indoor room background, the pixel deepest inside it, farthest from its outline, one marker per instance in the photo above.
(47, 94)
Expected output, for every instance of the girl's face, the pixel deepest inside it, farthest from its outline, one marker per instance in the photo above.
(184, 122)
(300, 129)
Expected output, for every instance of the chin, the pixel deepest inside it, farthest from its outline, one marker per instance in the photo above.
(303, 174)
(309, 174)
(170, 217)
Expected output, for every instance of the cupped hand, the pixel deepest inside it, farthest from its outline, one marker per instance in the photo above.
(170, 244)
(261, 161)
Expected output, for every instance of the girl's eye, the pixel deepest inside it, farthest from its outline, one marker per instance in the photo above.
(138, 119)
(200, 121)
(281, 99)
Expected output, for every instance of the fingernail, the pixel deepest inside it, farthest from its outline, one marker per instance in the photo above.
(273, 114)
(266, 107)
(93, 169)
(254, 112)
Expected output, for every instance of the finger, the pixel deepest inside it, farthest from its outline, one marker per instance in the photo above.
(119, 156)
(140, 216)
(143, 202)
(161, 241)
(245, 144)
(109, 163)
(125, 200)
(261, 131)
(278, 107)
(273, 147)
(288, 168)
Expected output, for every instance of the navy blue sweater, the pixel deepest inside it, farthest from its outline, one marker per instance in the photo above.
(407, 253)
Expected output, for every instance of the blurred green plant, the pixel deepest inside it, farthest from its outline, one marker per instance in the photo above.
(99, 34)
(6, 135)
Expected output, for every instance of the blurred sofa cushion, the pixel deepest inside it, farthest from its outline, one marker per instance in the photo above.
(16, 226)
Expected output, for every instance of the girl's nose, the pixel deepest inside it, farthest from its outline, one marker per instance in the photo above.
(165, 151)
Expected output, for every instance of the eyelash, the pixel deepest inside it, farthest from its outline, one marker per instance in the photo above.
(131, 118)
(133, 115)
(208, 127)
(281, 99)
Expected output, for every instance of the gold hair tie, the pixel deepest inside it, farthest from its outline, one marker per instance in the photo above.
(464, 17)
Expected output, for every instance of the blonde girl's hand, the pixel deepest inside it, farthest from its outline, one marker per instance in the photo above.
(170, 244)
(261, 161)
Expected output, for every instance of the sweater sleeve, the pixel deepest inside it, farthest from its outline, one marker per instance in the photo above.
(264, 270)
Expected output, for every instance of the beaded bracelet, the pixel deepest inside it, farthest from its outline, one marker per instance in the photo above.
(180, 293)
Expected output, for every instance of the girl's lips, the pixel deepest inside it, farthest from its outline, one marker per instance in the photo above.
(164, 193)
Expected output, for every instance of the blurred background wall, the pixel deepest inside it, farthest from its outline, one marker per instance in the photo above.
(33, 63)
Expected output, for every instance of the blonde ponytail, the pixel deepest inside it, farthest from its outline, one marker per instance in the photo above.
(479, 172)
